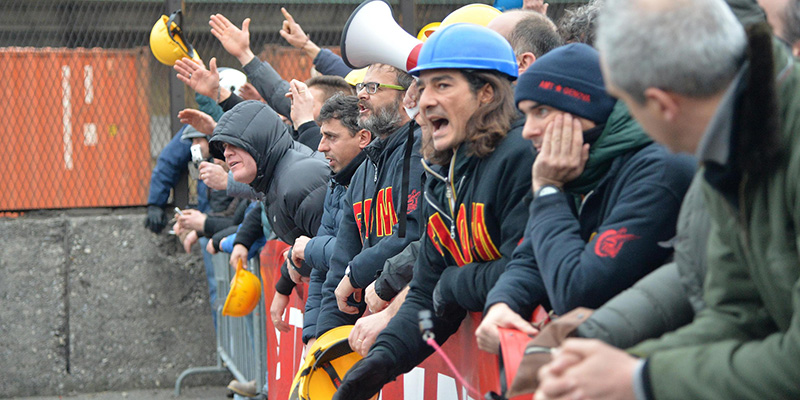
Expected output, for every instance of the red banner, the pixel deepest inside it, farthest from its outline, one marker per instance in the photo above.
(431, 380)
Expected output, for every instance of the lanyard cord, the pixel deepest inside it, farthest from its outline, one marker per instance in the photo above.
(429, 339)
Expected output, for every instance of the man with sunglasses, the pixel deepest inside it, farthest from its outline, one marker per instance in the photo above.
(381, 205)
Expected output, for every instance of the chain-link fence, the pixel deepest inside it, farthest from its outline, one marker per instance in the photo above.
(87, 107)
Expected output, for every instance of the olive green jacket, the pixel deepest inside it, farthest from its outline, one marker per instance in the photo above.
(746, 343)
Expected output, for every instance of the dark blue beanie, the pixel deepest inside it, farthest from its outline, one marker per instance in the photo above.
(568, 78)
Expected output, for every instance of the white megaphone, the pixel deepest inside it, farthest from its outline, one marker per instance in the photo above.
(371, 35)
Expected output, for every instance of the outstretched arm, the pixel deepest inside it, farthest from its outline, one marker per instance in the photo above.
(235, 41)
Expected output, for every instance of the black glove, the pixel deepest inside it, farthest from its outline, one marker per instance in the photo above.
(156, 218)
(443, 300)
(366, 377)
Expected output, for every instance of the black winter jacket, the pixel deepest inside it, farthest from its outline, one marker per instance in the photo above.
(320, 248)
(474, 221)
(292, 180)
(233, 215)
(368, 231)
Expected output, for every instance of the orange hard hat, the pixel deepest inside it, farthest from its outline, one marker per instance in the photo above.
(244, 294)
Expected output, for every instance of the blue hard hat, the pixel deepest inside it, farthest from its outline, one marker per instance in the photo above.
(467, 46)
(504, 5)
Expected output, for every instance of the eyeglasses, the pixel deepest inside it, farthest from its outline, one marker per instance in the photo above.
(372, 87)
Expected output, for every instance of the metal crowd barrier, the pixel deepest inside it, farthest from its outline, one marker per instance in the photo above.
(241, 341)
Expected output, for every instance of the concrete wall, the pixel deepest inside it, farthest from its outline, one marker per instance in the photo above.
(96, 302)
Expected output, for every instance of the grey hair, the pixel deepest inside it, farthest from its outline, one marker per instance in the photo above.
(343, 108)
(791, 22)
(579, 25)
(689, 47)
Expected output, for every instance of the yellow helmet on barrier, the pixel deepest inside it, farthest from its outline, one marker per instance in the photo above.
(244, 294)
(476, 13)
(167, 42)
(327, 361)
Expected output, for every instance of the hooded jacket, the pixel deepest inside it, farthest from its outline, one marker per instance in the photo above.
(583, 250)
(475, 217)
(292, 181)
(368, 232)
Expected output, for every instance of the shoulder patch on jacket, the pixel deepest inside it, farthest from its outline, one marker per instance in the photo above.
(610, 242)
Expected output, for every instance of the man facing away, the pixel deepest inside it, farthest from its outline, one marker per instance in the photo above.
(701, 85)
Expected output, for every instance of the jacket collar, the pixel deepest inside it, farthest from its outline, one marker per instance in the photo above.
(381, 146)
(343, 177)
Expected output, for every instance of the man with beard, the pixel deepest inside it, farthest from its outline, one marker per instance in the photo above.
(381, 205)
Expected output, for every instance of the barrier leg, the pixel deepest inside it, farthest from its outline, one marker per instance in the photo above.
(222, 277)
(196, 370)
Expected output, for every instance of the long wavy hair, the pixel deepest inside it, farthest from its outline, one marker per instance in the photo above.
(488, 124)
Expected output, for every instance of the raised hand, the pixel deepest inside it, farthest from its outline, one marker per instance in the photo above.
(196, 76)
(198, 120)
(235, 41)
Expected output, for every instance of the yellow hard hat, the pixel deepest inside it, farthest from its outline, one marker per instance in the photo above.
(356, 76)
(477, 13)
(427, 30)
(244, 293)
(327, 361)
(167, 42)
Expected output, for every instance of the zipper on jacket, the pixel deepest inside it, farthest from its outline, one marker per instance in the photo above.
(583, 202)
(448, 193)
(375, 179)
(446, 215)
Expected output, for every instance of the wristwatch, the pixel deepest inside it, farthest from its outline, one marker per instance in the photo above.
(347, 275)
(546, 190)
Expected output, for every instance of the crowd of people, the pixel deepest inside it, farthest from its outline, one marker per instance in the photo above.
(639, 160)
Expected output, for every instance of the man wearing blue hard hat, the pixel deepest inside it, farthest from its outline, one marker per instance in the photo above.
(606, 198)
(478, 170)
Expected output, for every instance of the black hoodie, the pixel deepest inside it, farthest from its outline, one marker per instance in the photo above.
(368, 231)
(476, 214)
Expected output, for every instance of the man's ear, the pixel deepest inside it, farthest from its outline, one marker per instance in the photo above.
(364, 138)
(525, 60)
(796, 49)
(663, 103)
(486, 94)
